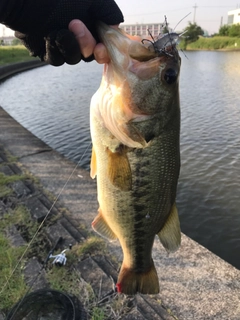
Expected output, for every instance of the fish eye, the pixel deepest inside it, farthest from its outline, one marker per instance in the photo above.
(170, 76)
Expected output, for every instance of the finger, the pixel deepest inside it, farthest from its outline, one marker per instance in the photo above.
(84, 37)
(101, 54)
(53, 55)
(68, 46)
(100, 51)
(115, 26)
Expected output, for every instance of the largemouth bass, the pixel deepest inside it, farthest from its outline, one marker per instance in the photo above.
(135, 124)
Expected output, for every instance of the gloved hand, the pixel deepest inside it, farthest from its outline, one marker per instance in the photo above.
(42, 25)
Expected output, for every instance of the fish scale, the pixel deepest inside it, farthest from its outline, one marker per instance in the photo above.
(135, 125)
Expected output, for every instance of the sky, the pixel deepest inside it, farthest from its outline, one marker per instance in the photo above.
(208, 13)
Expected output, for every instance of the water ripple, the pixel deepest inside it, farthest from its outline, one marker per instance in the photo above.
(53, 103)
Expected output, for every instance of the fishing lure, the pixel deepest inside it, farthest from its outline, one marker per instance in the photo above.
(165, 43)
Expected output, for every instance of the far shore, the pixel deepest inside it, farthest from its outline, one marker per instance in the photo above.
(206, 49)
(18, 53)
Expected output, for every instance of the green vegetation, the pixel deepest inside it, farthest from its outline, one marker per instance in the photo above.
(98, 314)
(214, 43)
(20, 215)
(5, 191)
(69, 280)
(230, 31)
(64, 279)
(16, 286)
(13, 54)
(16, 216)
(12, 283)
(10, 179)
(92, 245)
(10, 255)
(228, 38)
(192, 32)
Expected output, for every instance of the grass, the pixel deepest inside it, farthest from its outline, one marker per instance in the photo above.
(9, 257)
(98, 314)
(16, 286)
(13, 54)
(18, 53)
(215, 43)
(92, 245)
(67, 279)
(5, 181)
(5, 191)
(18, 216)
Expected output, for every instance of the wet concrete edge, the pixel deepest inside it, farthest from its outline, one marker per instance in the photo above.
(9, 70)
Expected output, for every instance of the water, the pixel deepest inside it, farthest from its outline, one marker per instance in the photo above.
(53, 103)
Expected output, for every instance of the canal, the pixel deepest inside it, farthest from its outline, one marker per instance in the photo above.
(53, 103)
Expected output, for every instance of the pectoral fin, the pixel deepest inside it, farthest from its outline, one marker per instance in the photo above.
(100, 226)
(93, 165)
(119, 171)
(170, 234)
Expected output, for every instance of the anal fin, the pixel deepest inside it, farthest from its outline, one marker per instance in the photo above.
(101, 227)
(170, 234)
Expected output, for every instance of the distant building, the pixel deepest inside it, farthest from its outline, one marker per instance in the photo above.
(234, 16)
(142, 29)
(6, 40)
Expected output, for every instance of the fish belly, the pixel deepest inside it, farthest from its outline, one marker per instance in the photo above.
(135, 206)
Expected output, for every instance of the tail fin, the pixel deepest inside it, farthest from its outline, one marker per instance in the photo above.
(130, 282)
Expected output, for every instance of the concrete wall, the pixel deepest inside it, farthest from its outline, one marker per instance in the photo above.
(12, 69)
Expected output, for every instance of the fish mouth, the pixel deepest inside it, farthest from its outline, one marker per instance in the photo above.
(142, 58)
(117, 41)
(123, 102)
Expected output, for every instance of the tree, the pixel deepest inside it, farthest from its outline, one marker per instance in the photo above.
(224, 30)
(230, 31)
(16, 42)
(192, 32)
(234, 30)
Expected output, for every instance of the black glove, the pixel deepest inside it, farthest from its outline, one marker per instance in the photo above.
(42, 25)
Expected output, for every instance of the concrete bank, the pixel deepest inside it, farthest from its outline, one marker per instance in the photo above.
(11, 69)
(195, 284)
